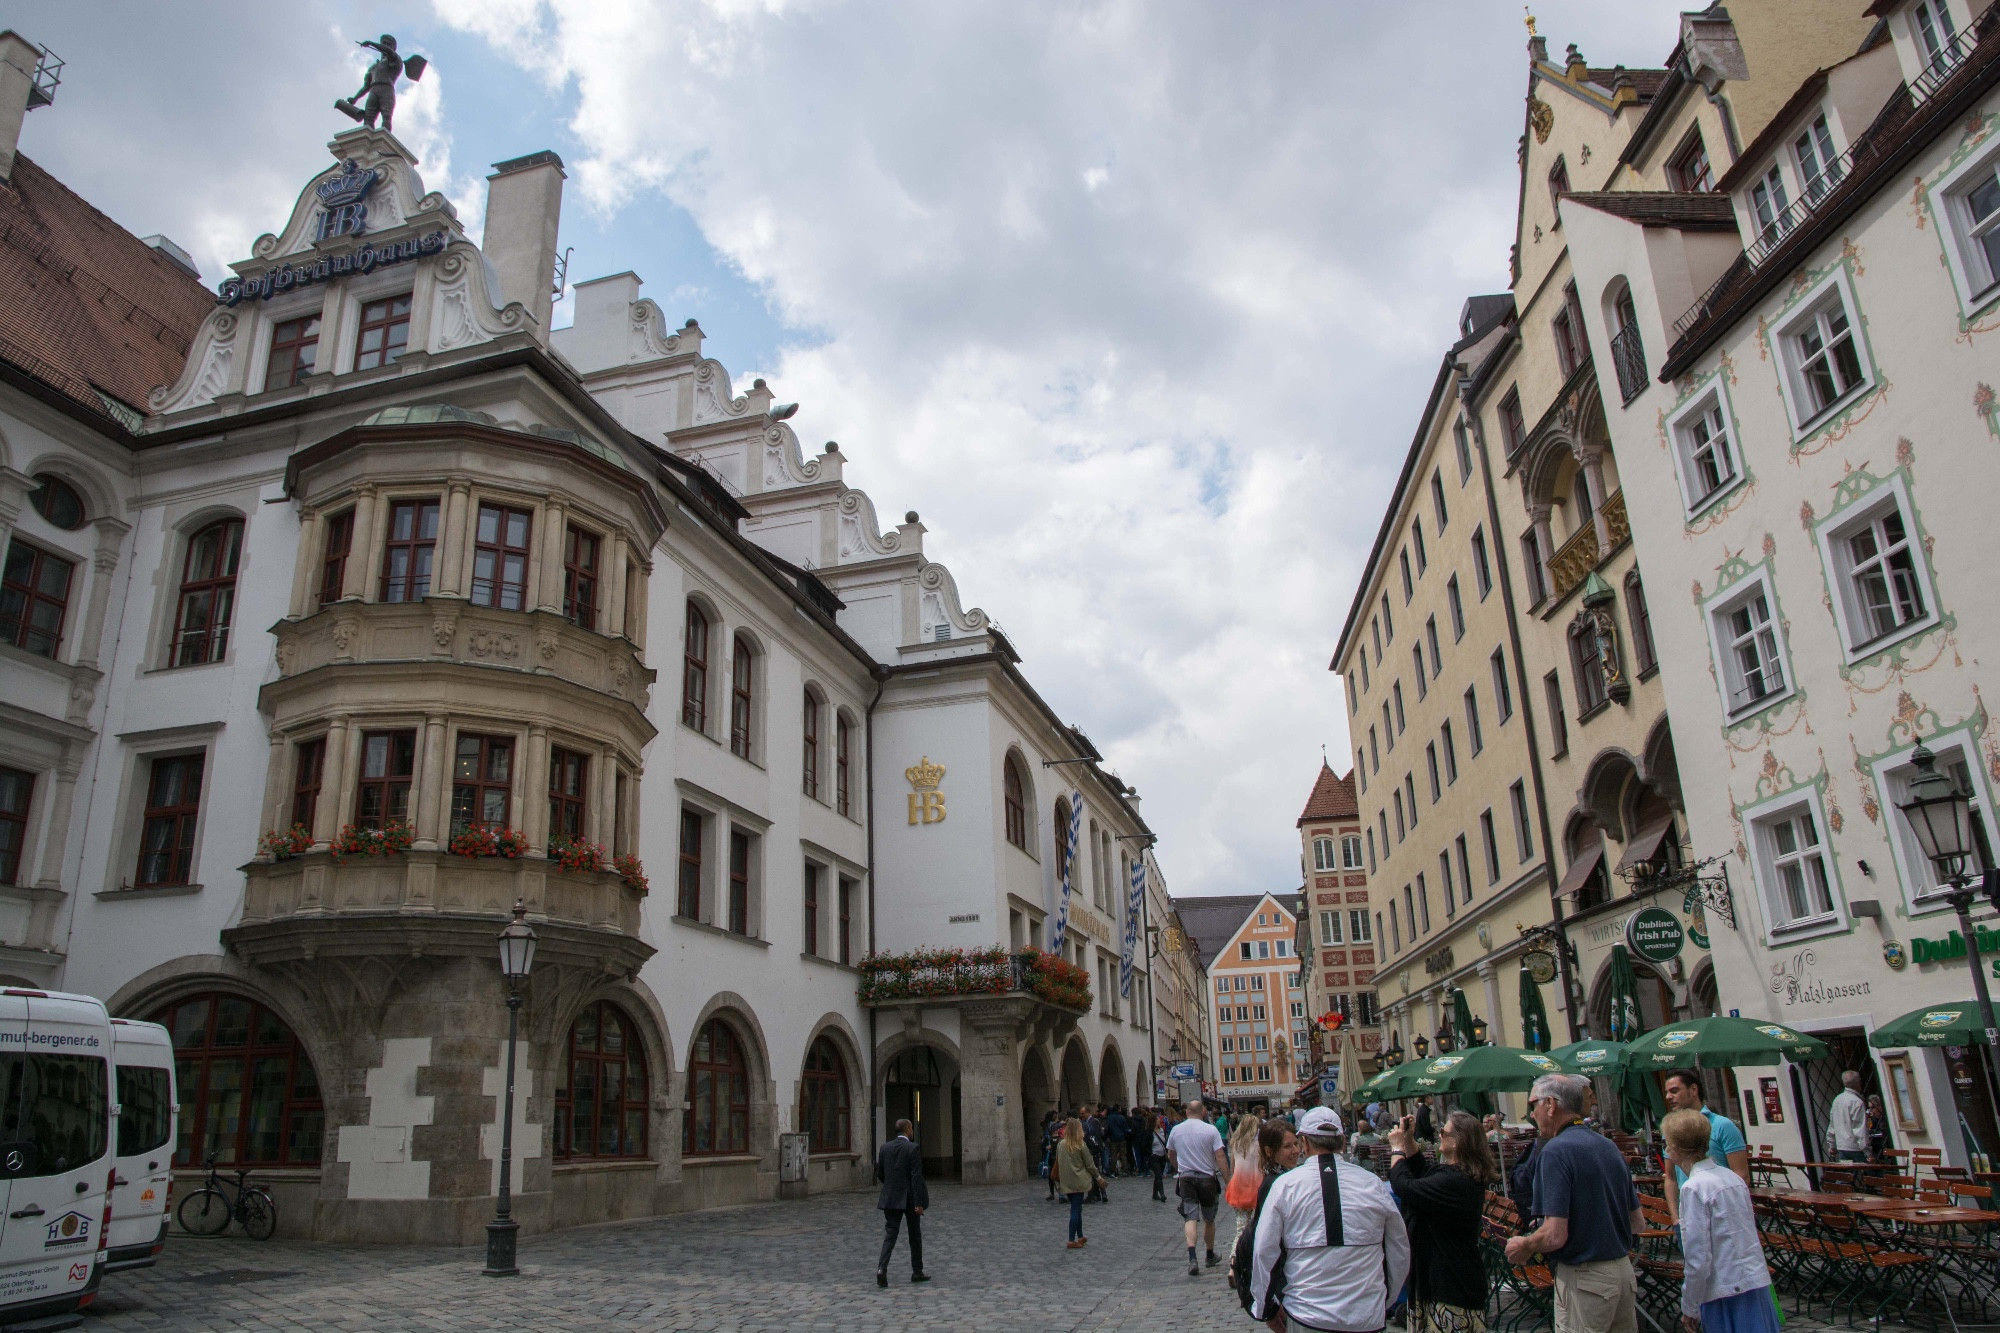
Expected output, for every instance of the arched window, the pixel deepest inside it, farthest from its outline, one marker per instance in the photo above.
(1014, 798)
(718, 1121)
(248, 1092)
(601, 1092)
(742, 675)
(810, 752)
(827, 1117)
(694, 671)
(1642, 623)
(57, 501)
(208, 593)
(1063, 848)
(843, 763)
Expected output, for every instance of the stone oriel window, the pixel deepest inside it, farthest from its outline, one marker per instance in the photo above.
(694, 670)
(569, 783)
(248, 1092)
(388, 764)
(407, 555)
(333, 560)
(500, 557)
(580, 577)
(208, 593)
(601, 1093)
(482, 786)
(173, 810)
(308, 766)
(718, 1119)
(826, 1112)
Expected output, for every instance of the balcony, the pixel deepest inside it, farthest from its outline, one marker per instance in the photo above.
(416, 884)
(1575, 558)
(1015, 992)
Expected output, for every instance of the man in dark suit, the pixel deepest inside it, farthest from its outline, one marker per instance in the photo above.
(900, 1168)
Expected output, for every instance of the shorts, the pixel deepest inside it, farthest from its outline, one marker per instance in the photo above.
(1199, 1197)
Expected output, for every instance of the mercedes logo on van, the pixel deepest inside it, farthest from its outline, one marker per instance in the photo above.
(15, 1161)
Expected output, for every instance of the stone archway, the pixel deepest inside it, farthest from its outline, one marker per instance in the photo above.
(1111, 1073)
(920, 1083)
(1077, 1085)
(1038, 1098)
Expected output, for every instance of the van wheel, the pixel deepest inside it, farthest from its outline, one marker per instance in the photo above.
(204, 1213)
(260, 1215)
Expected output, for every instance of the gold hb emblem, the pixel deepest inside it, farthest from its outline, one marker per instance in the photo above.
(926, 802)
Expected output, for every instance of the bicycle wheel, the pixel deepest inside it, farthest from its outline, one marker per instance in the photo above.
(260, 1214)
(204, 1213)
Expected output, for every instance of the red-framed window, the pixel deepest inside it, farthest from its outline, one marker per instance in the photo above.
(408, 550)
(388, 766)
(34, 599)
(333, 563)
(482, 782)
(812, 907)
(385, 332)
(694, 670)
(742, 676)
(689, 884)
(17, 790)
(718, 1121)
(248, 1092)
(569, 780)
(294, 352)
(1016, 802)
(810, 754)
(843, 761)
(500, 557)
(173, 808)
(580, 552)
(827, 1111)
(739, 882)
(208, 593)
(308, 766)
(601, 1099)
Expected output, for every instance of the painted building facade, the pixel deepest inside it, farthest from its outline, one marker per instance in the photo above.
(1337, 927)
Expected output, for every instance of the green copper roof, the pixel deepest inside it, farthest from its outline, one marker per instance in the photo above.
(424, 414)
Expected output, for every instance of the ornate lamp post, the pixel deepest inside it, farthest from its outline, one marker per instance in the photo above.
(1478, 1031)
(1447, 1041)
(1394, 1055)
(1940, 815)
(517, 958)
(1423, 1045)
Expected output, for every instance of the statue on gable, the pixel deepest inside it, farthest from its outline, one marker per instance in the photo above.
(377, 94)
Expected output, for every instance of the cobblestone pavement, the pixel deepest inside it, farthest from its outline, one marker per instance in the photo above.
(996, 1256)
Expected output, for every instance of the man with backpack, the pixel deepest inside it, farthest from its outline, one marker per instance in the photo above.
(1331, 1245)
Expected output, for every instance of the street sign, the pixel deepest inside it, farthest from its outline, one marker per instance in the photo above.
(1184, 1071)
(1655, 934)
(1329, 1088)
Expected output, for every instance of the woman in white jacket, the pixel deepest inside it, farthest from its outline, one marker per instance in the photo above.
(1726, 1285)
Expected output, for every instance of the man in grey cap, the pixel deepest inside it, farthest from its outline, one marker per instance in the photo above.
(1331, 1248)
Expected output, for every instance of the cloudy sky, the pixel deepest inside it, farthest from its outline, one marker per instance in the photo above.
(1136, 303)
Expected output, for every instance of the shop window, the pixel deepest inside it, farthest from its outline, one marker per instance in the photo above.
(17, 790)
(580, 553)
(569, 781)
(173, 810)
(34, 599)
(500, 557)
(385, 332)
(482, 782)
(718, 1119)
(208, 593)
(409, 549)
(601, 1102)
(57, 501)
(388, 765)
(294, 352)
(333, 559)
(248, 1093)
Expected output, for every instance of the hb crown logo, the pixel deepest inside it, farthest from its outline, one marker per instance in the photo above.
(342, 193)
(926, 802)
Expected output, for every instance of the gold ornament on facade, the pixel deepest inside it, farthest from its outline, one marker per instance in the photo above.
(926, 802)
(1542, 118)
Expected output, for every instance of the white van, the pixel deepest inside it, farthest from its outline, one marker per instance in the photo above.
(55, 1151)
(142, 1057)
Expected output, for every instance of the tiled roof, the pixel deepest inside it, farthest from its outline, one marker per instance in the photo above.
(1210, 922)
(1332, 797)
(1645, 82)
(1663, 208)
(86, 307)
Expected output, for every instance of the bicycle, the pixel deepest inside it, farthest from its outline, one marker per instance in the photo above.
(207, 1212)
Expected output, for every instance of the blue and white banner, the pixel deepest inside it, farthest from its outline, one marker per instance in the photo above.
(1075, 835)
(1133, 906)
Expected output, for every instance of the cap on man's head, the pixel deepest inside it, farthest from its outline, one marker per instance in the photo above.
(1321, 1120)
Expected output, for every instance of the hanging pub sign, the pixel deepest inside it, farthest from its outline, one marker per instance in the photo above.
(1655, 934)
(1541, 966)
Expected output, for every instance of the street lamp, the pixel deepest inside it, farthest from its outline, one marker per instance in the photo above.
(1394, 1055)
(517, 958)
(1446, 1039)
(1423, 1045)
(1478, 1031)
(1940, 815)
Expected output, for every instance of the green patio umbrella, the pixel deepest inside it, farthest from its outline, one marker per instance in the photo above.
(1591, 1058)
(1723, 1043)
(1955, 1023)
(1639, 1099)
(1477, 1103)
(1481, 1069)
(1384, 1087)
(1534, 1018)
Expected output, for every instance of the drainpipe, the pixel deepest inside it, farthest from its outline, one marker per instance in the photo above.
(1526, 703)
(868, 765)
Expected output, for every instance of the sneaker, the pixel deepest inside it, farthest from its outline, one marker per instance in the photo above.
(1194, 1270)
(1212, 1260)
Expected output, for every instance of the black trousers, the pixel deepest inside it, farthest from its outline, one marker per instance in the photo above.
(892, 1220)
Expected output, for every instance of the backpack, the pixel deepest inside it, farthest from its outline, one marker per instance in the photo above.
(1243, 1258)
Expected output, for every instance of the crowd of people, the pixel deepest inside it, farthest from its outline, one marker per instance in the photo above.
(1324, 1243)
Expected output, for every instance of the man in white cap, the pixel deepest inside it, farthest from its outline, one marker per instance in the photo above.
(1331, 1248)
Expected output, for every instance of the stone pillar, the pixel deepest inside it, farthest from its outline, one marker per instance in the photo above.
(14, 489)
(432, 780)
(305, 561)
(456, 536)
(55, 841)
(532, 783)
(364, 550)
(1545, 543)
(555, 521)
(1496, 1023)
(989, 1082)
(603, 808)
(110, 539)
(275, 787)
(1592, 460)
(635, 594)
(611, 587)
(334, 785)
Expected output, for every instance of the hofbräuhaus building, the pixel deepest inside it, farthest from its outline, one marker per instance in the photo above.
(351, 604)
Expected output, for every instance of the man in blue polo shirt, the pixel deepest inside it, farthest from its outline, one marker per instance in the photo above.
(1589, 1210)
(1726, 1145)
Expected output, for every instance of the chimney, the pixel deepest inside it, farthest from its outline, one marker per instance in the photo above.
(18, 61)
(523, 206)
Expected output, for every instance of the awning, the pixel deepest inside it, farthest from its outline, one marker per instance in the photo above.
(1645, 843)
(1580, 871)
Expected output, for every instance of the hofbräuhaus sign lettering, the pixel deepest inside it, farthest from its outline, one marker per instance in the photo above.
(325, 268)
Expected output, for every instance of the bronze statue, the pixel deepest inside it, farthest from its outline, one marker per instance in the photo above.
(379, 87)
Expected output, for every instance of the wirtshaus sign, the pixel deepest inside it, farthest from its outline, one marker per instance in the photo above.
(1952, 947)
(325, 268)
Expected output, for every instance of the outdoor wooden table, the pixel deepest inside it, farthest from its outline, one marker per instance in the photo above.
(1974, 1277)
(1818, 1197)
(1928, 1215)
